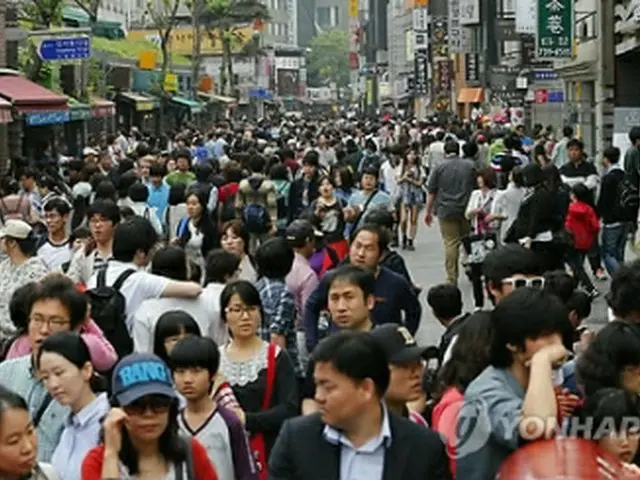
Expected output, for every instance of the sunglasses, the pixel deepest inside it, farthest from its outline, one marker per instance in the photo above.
(157, 404)
(519, 282)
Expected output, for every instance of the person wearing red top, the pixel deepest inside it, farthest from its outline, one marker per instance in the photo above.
(141, 438)
(582, 222)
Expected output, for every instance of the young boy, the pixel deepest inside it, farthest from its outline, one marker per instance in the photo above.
(194, 363)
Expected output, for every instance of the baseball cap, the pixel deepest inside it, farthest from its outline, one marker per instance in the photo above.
(299, 231)
(398, 343)
(16, 229)
(138, 375)
(88, 151)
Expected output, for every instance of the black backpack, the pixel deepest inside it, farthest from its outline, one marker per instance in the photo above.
(108, 309)
(628, 197)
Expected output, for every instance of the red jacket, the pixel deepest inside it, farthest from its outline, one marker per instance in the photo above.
(583, 223)
(92, 463)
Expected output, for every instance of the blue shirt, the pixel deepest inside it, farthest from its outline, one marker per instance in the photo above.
(17, 375)
(159, 199)
(81, 434)
(367, 461)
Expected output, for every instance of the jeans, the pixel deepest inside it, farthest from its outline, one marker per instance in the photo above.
(575, 260)
(612, 244)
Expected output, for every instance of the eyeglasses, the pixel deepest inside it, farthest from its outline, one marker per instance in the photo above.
(54, 323)
(156, 404)
(519, 282)
(240, 310)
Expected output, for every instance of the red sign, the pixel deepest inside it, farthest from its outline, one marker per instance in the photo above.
(541, 95)
(354, 61)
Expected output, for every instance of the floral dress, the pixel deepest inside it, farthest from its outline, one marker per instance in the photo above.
(410, 194)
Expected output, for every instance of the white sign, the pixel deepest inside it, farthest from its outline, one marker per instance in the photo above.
(420, 20)
(288, 63)
(292, 23)
(454, 29)
(469, 12)
(526, 16)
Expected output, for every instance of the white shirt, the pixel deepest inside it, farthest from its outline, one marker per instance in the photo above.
(147, 315)
(55, 255)
(140, 286)
(389, 175)
(143, 210)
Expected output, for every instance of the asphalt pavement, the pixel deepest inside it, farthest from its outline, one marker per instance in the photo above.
(426, 265)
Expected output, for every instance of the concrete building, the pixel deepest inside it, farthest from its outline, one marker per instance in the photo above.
(400, 45)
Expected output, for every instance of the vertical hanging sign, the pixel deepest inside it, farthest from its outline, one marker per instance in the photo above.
(354, 35)
(555, 29)
(421, 49)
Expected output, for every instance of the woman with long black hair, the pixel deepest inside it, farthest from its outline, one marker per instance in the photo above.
(141, 438)
(64, 363)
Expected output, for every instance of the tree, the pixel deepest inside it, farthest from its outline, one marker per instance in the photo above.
(91, 8)
(197, 9)
(328, 60)
(163, 17)
(223, 20)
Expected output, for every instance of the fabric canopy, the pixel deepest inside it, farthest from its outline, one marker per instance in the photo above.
(27, 96)
(471, 95)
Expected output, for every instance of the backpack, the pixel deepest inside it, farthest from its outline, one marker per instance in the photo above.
(628, 197)
(282, 200)
(228, 208)
(17, 214)
(108, 309)
(255, 216)
(187, 466)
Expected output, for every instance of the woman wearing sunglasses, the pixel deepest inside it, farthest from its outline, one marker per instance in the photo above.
(140, 433)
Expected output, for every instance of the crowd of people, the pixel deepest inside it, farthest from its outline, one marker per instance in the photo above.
(233, 304)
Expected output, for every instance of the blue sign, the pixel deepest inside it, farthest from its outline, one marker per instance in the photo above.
(545, 75)
(555, 96)
(47, 118)
(69, 48)
(260, 93)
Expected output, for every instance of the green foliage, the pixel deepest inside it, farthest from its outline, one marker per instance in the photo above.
(328, 60)
(131, 49)
(41, 13)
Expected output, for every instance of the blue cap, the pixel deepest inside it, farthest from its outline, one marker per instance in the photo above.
(138, 375)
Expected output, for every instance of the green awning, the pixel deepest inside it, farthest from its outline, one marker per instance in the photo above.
(143, 103)
(102, 28)
(195, 107)
(75, 14)
(78, 110)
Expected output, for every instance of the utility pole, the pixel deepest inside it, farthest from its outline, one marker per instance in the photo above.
(198, 7)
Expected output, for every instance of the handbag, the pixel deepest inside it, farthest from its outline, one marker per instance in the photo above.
(256, 441)
(478, 246)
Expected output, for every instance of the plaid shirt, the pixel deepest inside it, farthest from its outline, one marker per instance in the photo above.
(279, 310)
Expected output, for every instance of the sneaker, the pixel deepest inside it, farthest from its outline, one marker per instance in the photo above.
(601, 275)
(410, 246)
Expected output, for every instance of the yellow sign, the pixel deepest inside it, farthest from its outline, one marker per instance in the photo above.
(171, 82)
(147, 60)
(353, 8)
(181, 40)
(144, 106)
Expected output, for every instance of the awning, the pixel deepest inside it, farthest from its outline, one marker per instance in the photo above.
(29, 97)
(141, 102)
(5, 112)
(102, 108)
(212, 97)
(192, 105)
(78, 110)
(471, 95)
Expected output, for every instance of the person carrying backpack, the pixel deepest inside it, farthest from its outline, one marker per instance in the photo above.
(143, 393)
(256, 204)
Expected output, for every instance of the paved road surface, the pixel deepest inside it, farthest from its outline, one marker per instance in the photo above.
(426, 264)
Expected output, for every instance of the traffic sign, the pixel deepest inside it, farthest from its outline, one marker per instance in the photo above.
(541, 95)
(65, 48)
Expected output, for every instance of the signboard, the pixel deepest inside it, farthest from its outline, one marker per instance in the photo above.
(171, 82)
(65, 48)
(353, 8)
(526, 13)
(443, 77)
(469, 12)
(453, 26)
(624, 118)
(545, 75)
(555, 29)
(260, 94)
(47, 118)
(555, 96)
(103, 111)
(292, 22)
(471, 68)
(421, 72)
(147, 60)
(541, 95)
(506, 30)
(181, 40)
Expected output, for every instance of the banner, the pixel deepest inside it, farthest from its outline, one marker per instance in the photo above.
(469, 12)
(454, 27)
(555, 29)
(526, 14)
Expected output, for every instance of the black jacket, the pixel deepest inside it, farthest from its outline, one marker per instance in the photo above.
(295, 196)
(302, 453)
(609, 208)
(537, 214)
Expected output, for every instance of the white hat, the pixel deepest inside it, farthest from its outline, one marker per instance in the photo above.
(81, 189)
(16, 229)
(88, 151)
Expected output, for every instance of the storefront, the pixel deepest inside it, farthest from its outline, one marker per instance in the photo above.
(139, 110)
(39, 114)
(75, 130)
(102, 121)
(183, 110)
